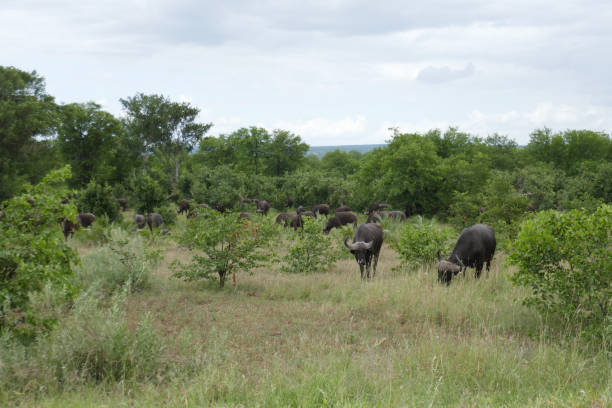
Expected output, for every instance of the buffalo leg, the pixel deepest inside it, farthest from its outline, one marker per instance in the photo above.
(488, 266)
(368, 270)
(478, 269)
(375, 263)
(361, 269)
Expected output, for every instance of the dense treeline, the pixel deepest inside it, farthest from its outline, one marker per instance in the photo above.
(158, 149)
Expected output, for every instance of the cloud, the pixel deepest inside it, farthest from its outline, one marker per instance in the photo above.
(438, 75)
(327, 132)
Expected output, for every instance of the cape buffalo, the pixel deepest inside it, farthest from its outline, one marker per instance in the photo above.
(280, 219)
(475, 247)
(68, 228)
(294, 221)
(308, 214)
(245, 215)
(123, 203)
(343, 208)
(154, 220)
(184, 207)
(85, 219)
(376, 207)
(263, 206)
(366, 245)
(340, 219)
(378, 215)
(322, 209)
(140, 221)
(290, 201)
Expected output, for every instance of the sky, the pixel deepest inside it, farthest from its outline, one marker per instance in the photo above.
(333, 72)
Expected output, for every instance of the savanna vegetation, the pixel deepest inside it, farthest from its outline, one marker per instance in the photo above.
(213, 309)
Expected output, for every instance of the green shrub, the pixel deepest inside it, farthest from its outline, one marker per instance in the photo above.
(419, 243)
(32, 249)
(311, 250)
(566, 259)
(168, 212)
(148, 193)
(224, 244)
(124, 260)
(99, 200)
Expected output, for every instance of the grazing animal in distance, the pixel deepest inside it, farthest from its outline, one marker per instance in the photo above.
(376, 207)
(245, 215)
(367, 241)
(123, 203)
(280, 219)
(294, 221)
(184, 207)
(68, 228)
(140, 221)
(301, 211)
(290, 201)
(154, 220)
(322, 209)
(475, 247)
(263, 206)
(378, 215)
(85, 219)
(343, 208)
(340, 219)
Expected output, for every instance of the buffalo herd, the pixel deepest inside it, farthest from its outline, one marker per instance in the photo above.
(474, 248)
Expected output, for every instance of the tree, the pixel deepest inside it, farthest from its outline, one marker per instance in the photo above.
(251, 147)
(168, 129)
(32, 248)
(285, 153)
(311, 251)
(566, 260)
(224, 244)
(27, 115)
(340, 162)
(87, 137)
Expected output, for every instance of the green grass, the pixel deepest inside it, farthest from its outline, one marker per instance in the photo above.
(329, 339)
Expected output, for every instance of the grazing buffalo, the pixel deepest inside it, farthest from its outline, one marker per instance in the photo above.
(378, 215)
(154, 220)
(246, 200)
(308, 214)
(290, 201)
(184, 207)
(376, 207)
(474, 248)
(294, 221)
(123, 203)
(343, 208)
(140, 221)
(222, 208)
(282, 217)
(366, 245)
(68, 228)
(340, 219)
(263, 206)
(322, 209)
(85, 219)
(245, 215)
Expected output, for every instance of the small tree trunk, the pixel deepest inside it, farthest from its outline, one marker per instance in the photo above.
(222, 278)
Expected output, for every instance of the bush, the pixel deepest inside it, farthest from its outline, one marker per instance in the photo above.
(224, 244)
(168, 212)
(99, 200)
(566, 259)
(418, 244)
(32, 249)
(123, 261)
(311, 251)
(148, 193)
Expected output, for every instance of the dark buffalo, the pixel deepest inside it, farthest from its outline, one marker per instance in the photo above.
(140, 221)
(343, 208)
(290, 201)
(376, 207)
(322, 209)
(280, 219)
(123, 203)
(340, 219)
(68, 228)
(222, 208)
(263, 206)
(246, 200)
(366, 246)
(184, 207)
(154, 220)
(395, 215)
(245, 215)
(474, 248)
(294, 221)
(85, 219)
(308, 214)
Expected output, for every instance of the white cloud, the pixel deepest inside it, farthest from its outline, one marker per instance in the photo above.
(324, 131)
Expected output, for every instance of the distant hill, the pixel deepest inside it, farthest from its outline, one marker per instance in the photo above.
(321, 150)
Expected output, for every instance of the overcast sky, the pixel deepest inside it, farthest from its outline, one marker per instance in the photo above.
(332, 71)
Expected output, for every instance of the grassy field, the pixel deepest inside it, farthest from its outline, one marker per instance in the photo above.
(329, 339)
